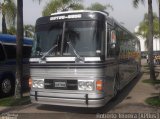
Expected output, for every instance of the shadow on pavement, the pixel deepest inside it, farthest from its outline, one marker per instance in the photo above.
(110, 105)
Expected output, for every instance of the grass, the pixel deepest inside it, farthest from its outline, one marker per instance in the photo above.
(153, 101)
(11, 101)
(151, 81)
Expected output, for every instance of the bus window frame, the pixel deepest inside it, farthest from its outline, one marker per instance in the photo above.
(109, 29)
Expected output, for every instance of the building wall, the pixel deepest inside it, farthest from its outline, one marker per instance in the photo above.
(156, 44)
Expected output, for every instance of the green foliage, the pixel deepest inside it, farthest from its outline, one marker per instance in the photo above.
(29, 31)
(144, 28)
(77, 6)
(8, 8)
(99, 7)
(151, 81)
(136, 2)
(153, 101)
(61, 5)
(64, 5)
(38, 1)
(11, 101)
(12, 30)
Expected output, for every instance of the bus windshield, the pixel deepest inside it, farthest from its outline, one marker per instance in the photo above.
(85, 37)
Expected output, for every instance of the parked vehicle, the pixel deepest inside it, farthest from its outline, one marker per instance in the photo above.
(8, 62)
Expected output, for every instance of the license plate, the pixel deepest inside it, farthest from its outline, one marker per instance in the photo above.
(60, 84)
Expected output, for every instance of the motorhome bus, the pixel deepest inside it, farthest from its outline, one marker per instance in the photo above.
(81, 58)
(8, 62)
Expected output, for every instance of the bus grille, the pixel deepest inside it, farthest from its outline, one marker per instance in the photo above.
(60, 84)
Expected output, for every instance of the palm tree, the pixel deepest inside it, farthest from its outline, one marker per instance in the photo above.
(11, 30)
(159, 18)
(38, 1)
(28, 31)
(99, 7)
(8, 11)
(19, 40)
(150, 36)
(61, 5)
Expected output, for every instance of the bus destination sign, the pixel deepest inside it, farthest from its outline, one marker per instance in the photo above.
(72, 16)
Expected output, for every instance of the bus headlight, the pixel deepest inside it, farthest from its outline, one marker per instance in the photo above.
(86, 85)
(38, 83)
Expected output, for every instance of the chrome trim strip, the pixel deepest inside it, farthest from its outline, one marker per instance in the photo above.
(92, 59)
(50, 59)
(57, 59)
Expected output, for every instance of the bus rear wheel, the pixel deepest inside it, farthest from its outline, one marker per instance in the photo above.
(6, 86)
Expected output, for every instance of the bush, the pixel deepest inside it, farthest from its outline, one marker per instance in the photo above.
(153, 101)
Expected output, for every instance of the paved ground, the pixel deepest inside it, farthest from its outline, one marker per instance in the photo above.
(129, 104)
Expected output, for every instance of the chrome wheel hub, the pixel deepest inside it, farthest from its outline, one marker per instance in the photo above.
(6, 85)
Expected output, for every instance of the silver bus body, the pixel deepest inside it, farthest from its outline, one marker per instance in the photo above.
(80, 80)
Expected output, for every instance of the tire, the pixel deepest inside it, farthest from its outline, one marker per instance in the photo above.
(7, 86)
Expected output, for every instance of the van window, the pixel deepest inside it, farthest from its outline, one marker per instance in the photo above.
(10, 51)
(27, 51)
(2, 54)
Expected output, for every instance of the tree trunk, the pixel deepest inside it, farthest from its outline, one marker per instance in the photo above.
(19, 51)
(150, 36)
(4, 26)
(159, 20)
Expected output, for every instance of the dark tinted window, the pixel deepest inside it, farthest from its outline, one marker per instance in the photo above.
(27, 51)
(85, 37)
(11, 51)
(2, 54)
(110, 46)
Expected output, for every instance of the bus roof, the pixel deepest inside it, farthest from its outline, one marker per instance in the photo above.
(80, 11)
(12, 39)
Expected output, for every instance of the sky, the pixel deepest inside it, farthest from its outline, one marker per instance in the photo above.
(123, 11)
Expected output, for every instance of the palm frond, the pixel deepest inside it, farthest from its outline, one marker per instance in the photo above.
(61, 5)
(136, 2)
(8, 9)
(10, 12)
(38, 1)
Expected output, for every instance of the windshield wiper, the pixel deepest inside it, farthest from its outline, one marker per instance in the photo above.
(50, 50)
(79, 58)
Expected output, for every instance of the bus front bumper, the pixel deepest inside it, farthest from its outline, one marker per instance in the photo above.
(67, 99)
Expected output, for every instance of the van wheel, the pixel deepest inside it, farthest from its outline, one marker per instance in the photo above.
(6, 86)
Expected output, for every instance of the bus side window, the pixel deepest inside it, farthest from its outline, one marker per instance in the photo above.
(111, 44)
(2, 54)
(10, 51)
